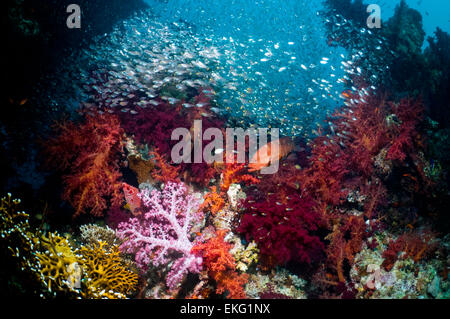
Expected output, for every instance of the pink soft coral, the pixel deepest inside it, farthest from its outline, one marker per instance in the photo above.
(163, 231)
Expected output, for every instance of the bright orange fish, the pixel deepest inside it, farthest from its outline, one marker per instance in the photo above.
(346, 94)
(263, 156)
(132, 198)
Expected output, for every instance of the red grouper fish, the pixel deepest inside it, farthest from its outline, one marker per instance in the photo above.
(263, 156)
(132, 198)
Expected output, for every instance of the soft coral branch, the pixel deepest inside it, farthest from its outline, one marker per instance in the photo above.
(88, 153)
(221, 266)
(283, 229)
(409, 112)
(163, 229)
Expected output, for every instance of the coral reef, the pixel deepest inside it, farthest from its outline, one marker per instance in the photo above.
(278, 284)
(406, 278)
(58, 261)
(245, 256)
(415, 246)
(15, 228)
(233, 173)
(356, 208)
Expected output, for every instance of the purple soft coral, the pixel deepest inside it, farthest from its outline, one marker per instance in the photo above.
(163, 230)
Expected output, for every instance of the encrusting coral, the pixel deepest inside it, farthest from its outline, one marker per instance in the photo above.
(93, 234)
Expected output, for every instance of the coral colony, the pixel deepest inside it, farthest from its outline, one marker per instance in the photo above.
(211, 157)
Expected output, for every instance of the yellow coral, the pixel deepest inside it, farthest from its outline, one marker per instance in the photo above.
(15, 231)
(245, 256)
(56, 259)
(106, 275)
(94, 271)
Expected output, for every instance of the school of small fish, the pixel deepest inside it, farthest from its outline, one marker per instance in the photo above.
(279, 71)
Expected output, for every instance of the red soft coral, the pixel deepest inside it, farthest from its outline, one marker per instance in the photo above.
(283, 229)
(88, 153)
(366, 133)
(163, 171)
(213, 201)
(154, 125)
(409, 112)
(221, 266)
(414, 245)
(346, 240)
(324, 178)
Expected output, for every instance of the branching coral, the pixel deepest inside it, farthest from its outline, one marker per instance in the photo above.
(14, 225)
(16, 235)
(324, 177)
(367, 126)
(163, 231)
(88, 155)
(57, 258)
(221, 266)
(106, 276)
(409, 113)
(94, 271)
(368, 138)
(233, 173)
(346, 240)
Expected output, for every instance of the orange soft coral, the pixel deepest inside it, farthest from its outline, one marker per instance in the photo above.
(163, 171)
(89, 153)
(221, 266)
(214, 202)
(233, 174)
(346, 240)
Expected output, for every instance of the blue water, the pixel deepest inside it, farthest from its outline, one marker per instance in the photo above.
(267, 42)
(435, 13)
